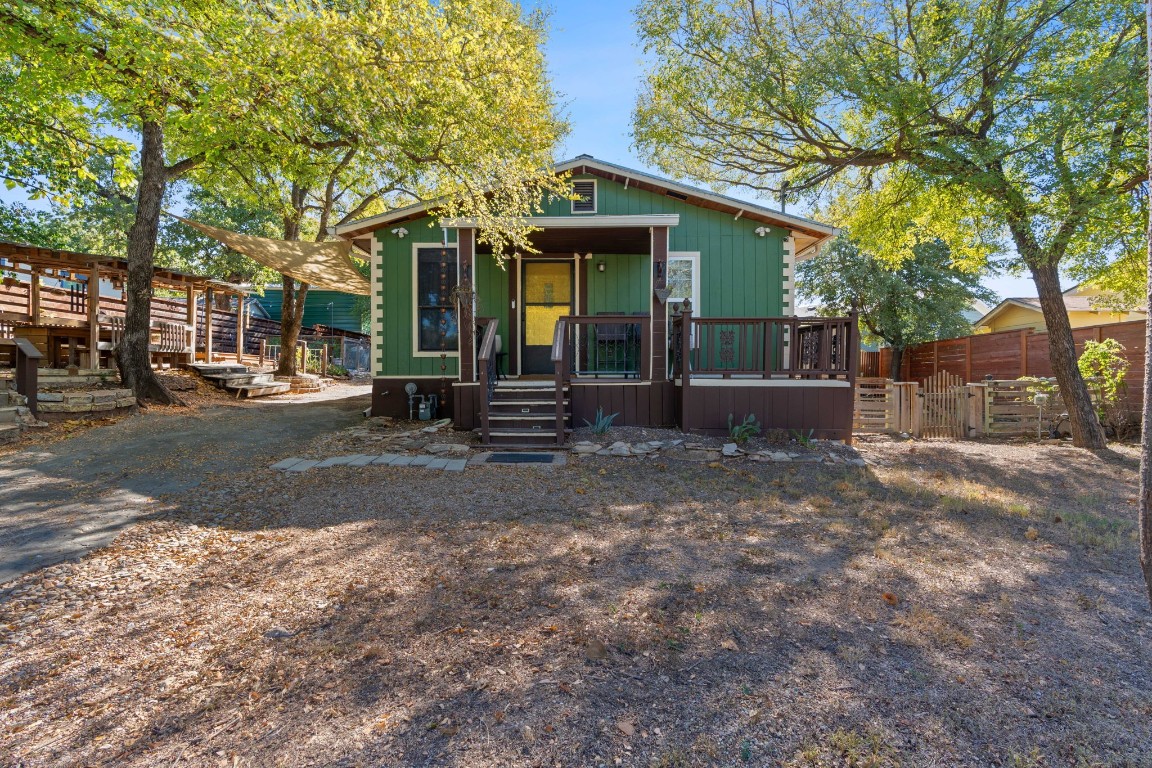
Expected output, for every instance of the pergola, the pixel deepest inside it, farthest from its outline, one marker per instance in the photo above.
(78, 317)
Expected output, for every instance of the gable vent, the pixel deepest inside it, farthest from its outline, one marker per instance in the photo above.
(675, 195)
(586, 200)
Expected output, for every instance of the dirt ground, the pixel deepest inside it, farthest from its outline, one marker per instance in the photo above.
(952, 604)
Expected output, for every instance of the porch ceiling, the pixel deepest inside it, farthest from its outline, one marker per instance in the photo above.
(597, 240)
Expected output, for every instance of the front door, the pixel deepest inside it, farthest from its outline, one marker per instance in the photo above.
(546, 295)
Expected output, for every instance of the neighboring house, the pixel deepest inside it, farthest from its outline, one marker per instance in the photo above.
(1081, 302)
(328, 308)
(590, 322)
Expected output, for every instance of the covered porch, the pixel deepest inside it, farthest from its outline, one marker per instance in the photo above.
(596, 322)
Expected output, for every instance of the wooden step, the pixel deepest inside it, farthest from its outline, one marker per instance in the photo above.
(261, 390)
(548, 400)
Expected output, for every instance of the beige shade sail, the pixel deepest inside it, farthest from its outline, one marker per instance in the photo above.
(322, 265)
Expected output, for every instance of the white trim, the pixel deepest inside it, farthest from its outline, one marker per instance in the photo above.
(699, 381)
(376, 312)
(416, 352)
(789, 283)
(410, 376)
(585, 221)
(595, 198)
(577, 382)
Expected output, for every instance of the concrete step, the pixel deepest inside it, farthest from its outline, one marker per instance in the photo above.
(261, 390)
(233, 380)
(208, 369)
(9, 433)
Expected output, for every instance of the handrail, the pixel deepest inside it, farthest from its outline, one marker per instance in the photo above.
(26, 369)
(485, 362)
(560, 368)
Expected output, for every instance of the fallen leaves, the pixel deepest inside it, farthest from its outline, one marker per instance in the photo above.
(626, 727)
(729, 644)
(596, 650)
(890, 598)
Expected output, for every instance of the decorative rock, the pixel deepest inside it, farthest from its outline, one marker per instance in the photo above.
(620, 449)
(731, 449)
(858, 462)
(50, 397)
(780, 456)
(439, 448)
(697, 447)
(585, 447)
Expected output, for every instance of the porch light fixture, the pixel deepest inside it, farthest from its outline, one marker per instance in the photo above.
(762, 231)
(400, 232)
(601, 266)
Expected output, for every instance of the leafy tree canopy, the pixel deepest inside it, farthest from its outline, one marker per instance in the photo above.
(921, 298)
(1011, 131)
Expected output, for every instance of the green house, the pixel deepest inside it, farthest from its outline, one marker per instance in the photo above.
(663, 303)
(328, 308)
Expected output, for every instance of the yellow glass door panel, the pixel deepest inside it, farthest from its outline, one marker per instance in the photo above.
(547, 296)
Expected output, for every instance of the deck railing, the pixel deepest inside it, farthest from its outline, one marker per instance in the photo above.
(560, 365)
(606, 346)
(486, 367)
(773, 347)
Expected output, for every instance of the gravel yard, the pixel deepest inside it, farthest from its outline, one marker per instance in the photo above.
(951, 604)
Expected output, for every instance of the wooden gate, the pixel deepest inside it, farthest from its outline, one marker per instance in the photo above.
(944, 406)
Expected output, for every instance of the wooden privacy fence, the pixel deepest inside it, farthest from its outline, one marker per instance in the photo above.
(887, 406)
(1009, 355)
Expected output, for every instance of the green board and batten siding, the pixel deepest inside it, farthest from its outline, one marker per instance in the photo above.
(742, 274)
(345, 312)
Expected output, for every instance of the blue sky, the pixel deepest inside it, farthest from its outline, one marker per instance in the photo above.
(595, 64)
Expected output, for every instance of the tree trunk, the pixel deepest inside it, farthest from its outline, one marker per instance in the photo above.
(1086, 431)
(1146, 425)
(291, 320)
(133, 356)
(896, 363)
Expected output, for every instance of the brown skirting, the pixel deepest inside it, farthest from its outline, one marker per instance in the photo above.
(827, 411)
(389, 398)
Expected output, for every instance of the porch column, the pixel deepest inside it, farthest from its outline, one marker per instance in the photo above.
(465, 251)
(659, 357)
(93, 316)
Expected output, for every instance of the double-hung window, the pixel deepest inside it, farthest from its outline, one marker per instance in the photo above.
(437, 328)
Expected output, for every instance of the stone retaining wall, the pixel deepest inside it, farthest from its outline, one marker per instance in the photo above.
(97, 403)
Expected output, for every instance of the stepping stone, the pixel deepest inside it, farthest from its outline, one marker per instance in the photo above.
(400, 461)
(338, 460)
(386, 458)
(456, 465)
(421, 461)
(303, 465)
(437, 463)
(286, 463)
(362, 461)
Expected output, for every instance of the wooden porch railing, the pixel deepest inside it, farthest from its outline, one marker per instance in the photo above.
(486, 367)
(560, 365)
(772, 347)
(25, 358)
(615, 346)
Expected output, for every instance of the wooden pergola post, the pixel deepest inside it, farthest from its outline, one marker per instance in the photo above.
(208, 326)
(239, 328)
(191, 294)
(34, 297)
(94, 317)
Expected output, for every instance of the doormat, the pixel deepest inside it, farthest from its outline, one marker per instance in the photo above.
(521, 458)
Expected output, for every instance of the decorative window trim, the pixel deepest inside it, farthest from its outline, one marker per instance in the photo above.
(415, 315)
(595, 197)
(694, 257)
